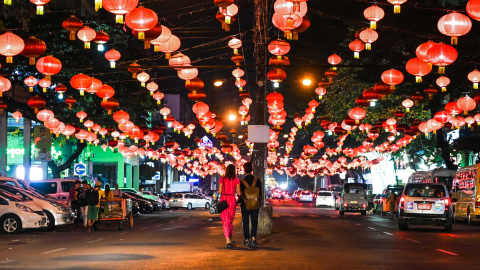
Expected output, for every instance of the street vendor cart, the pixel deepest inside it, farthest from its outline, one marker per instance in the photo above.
(116, 210)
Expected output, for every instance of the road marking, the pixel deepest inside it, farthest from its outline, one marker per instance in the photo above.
(448, 252)
(387, 233)
(93, 241)
(358, 224)
(371, 228)
(55, 250)
(7, 261)
(415, 241)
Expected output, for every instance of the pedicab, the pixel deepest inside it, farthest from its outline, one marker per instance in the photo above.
(119, 210)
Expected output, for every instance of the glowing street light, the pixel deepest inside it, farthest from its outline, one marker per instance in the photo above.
(307, 82)
(232, 117)
(218, 83)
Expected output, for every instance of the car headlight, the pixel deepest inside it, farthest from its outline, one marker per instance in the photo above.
(24, 208)
(60, 207)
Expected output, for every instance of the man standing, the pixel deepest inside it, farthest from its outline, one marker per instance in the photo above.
(248, 214)
(117, 193)
(74, 199)
(392, 201)
(83, 201)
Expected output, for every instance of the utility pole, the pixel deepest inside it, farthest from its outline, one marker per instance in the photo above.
(260, 149)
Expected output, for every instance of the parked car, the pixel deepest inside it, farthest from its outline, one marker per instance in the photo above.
(325, 198)
(17, 215)
(385, 202)
(135, 203)
(295, 194)
(306, 196)
(58, 214)
(14, 182)
(145, 205)
(354, 198)
(189, 201)
(425, 204)
(278, 194)
(56, 188)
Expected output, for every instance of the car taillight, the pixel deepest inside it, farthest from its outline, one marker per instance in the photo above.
(402, 202)
(447, 202)
(477, 204)
(364, 206)
(345, 204)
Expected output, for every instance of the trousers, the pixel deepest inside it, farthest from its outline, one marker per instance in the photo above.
(247, 216)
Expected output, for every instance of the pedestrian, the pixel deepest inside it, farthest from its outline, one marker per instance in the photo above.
(74, 199)
(94, 205)
(249, 213)
(117, 193)
(108, 193)
(392, 201)
(83, 201)
(228, 184)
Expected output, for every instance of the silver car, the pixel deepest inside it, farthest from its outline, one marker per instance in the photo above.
(58, 214)
(425, 204)
(189, 201)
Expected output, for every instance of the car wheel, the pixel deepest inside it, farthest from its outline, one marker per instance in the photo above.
(50, 221)
(11, 224)
(469, 217)
(207, 205)
(189, 206)
(403, 226)
(448, 227)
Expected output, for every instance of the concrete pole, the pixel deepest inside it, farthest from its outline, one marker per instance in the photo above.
(3, 143)
(27, 145)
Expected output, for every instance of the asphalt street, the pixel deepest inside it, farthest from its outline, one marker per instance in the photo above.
(304, 238)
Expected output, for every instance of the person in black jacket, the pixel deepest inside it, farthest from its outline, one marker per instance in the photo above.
(83, 201)
(249, 215)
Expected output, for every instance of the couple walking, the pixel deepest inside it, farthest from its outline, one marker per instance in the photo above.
(249, 190)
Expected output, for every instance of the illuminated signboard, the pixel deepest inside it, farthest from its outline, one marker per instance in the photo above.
(206, 142)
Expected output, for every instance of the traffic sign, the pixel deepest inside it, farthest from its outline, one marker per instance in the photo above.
(79, 169)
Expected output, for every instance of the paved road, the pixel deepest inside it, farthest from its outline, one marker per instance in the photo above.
(305, 238)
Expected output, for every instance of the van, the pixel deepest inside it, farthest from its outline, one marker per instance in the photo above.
(56, 188)
(354, 198)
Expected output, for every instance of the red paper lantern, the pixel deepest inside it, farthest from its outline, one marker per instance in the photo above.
(442, 117)
(112, 56)
(372, 96)
(70, 102)
(357, 114)
(5, 85)
(422, 50)
(430, 91)
(49, 66)
(165, 112)
(279, 47)
(443, 82)
(143, 77)
(287, 24)
(454, 25)
(418, 68)
(223, 3)
(452, 108)
(158, 96)
(34, 47)
(383, 89)
(302, 28)
(374, 14)
(229, 12)
(442, 55)
(195, 84)
(152, 87)
(86, 34)
(72, 24)
(356, 46)
(96, 85)
(320, 91)
(466, 104)
(187, 74)
(149, 35)
(474, 77)
(200, 108)
(11, 45)
(276, 75)
(36, 103)
(101, 38)
(119, 7)
(334, 60)
(368, 36)
(407, 104)
(44, 83)
(134, 68)
(30, 81)
(109, 104)
(170, 46)
(362, 102)
(179, 60)
(141, 19)
(60, 89)
(473, 9)
(81, 82)
(197, 95)
(392, 77)
(121, 117)
(106, 92)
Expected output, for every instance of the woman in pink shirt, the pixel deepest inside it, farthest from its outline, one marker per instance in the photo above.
(227, 186)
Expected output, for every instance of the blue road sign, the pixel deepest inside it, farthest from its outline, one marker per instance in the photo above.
(79, 169)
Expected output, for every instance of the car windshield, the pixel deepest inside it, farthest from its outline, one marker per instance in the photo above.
(327, 194)
(9, 196)
(177, 196)
(306, 193)
(429, 191)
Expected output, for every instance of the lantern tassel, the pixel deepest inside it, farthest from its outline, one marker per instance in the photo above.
(396, 9)
(227, 28)
(368, 46)
(475, 85)
(373, 25)
(454, 41)
(87, 44)
(418, 79)
(44, 89)
(444, 89)
(168, 55)
(31, 61)
(156, 48)
(112, 64)
(289, 35)
(119, 18)
(441, 70)
(356, 55)
(228, 20)
(72, 35)
(9, 60)
(141, 35)
(82, 93)
(146, 45)
(39, 10)
(30, 89)
(7, 2)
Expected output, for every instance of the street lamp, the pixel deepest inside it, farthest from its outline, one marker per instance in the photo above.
(307, 82)
(232, 117)
(218, 83)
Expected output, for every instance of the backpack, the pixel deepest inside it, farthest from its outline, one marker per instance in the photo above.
(92, 199)
(252, 195)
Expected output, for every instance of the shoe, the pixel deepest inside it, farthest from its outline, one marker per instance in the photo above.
(253, 243)
(229, 245)
(246, 242)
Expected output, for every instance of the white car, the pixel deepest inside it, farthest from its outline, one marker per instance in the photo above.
(17, 215)
(325, 198)
(189, 201)
(305, 196)
(57, 213)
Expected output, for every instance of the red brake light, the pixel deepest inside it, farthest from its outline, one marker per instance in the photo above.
(447, 202)
(402, 203)
(403, 199)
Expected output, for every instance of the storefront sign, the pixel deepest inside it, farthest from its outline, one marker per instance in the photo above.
(206, 142)
(15, 151)
(43, 143)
